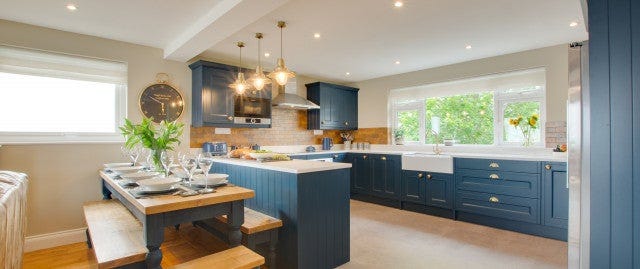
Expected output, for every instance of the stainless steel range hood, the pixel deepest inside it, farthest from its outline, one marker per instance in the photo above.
(288, 99)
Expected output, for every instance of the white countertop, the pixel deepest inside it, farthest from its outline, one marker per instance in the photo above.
(293, 166)
(551, 157)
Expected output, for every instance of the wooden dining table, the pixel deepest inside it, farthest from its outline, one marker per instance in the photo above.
(160, 211)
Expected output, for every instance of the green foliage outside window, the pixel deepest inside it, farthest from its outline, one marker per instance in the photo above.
(409, 125)
(466, 118)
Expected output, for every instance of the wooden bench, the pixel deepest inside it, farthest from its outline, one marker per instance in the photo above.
(257, 229)
(114, 234)
(238, 257)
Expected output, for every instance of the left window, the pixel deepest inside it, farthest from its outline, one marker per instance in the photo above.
(56, 98)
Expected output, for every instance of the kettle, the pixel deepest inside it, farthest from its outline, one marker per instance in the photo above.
(327, 143)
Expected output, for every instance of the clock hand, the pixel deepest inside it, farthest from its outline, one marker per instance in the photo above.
(154, 99)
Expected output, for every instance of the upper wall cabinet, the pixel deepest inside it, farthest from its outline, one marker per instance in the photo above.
(213, 101)
(338, 107)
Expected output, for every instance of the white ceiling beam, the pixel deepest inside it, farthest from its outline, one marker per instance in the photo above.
(222, 21)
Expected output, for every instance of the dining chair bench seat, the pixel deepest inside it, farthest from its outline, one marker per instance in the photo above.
(238, 257)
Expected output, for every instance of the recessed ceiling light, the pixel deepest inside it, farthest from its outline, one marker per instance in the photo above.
(397, 62)
(266, 54)
(573, 24)
(398, 4)
(72, 7)
(347, 74)
(316, 35)
(468, 47)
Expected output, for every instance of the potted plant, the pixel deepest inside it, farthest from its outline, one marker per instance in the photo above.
(157, 139)
(398, 136)
(526, 127)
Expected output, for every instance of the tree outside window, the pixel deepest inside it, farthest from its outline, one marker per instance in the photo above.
(468, 118)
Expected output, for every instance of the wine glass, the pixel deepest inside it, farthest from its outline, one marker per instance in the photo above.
(189, 164)
(205, 161)
(166, 159)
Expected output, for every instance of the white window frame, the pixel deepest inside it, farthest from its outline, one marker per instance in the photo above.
(501, 98)
(32, 62)
(418, 105)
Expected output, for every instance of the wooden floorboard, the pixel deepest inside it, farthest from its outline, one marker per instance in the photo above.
(180, 246)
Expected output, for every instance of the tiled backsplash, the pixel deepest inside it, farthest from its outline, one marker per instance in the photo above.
(289, 127)
(556, 133)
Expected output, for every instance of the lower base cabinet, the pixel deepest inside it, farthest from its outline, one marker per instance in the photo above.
(426, 188)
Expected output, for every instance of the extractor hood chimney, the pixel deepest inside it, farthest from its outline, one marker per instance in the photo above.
(288, 99)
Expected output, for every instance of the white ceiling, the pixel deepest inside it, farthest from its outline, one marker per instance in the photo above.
(363, 37)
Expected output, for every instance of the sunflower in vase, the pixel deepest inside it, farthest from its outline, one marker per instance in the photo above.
(527, 127)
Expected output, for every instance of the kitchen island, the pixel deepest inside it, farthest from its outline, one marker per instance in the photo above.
(312, 200)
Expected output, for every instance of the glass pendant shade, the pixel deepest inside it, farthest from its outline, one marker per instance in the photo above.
(240, 84)
(259, 80)
(281, 73)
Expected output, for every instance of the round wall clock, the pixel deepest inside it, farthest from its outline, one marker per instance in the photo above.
(160, 102)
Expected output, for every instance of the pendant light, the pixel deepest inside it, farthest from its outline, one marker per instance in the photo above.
(240, 85)
(281, 73)
(259, 80)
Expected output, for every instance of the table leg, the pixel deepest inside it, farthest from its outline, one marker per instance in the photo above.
(106, 193)
(153, 235)
(235, 220)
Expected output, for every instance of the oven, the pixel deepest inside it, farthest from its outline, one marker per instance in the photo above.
(252, 110)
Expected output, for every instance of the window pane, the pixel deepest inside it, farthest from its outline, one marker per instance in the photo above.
(43, 104)
(524, 110)
(466, 118)
(409, 125)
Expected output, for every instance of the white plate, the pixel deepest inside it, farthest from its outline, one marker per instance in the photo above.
(213, 179)
(158, 183)
(114, 165)
(179, 172)
(126, 170)
(139, 175)
(146, 191)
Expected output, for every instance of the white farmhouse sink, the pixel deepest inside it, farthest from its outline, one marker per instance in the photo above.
(428, 162)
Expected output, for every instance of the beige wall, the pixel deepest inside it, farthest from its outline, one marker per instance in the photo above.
(63, 176)
(373, 93)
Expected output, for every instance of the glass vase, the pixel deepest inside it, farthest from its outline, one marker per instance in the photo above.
(156, 157)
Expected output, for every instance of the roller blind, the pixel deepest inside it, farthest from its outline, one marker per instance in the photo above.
(497, 83)
(57, 65)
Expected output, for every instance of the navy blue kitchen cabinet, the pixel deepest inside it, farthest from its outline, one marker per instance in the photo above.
(508, 194)
(338, 107)
(339, 157)
(555, 194)
(212, 99)
(414, 187)
(360, 173)
(386, 175)
(298, 157)
(426, 188)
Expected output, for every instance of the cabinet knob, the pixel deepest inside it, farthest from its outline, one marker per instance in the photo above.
(346, 123)
(429, 176)
(364, 156)
(548, 167)
(419, 175)
(494, 165)
(322, 122)
(494, 199)
(383, 158)
(335, 156)
(230, 118)
(494, 176)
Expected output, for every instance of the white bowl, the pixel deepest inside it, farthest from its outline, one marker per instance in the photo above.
(139, 175)
(263, 155)
(114, 165)
(126, 170)
(158, 183)
(213, 179)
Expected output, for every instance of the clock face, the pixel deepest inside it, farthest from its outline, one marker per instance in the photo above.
(161, 102)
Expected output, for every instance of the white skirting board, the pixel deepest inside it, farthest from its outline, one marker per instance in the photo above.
(43, 241)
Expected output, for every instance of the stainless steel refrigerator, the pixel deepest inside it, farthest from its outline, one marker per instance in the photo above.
(578, 151)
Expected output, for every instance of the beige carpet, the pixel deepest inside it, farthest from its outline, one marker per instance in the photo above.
(383, 237)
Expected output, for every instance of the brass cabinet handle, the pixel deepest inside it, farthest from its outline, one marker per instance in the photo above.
(364, 156)
(335, 156)
(494, 199)
(494, 165)
(346, 123)
(494, 176)
(420, 175)
(383, 158)
(429, 176)
(548, 167)
(230, 118)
